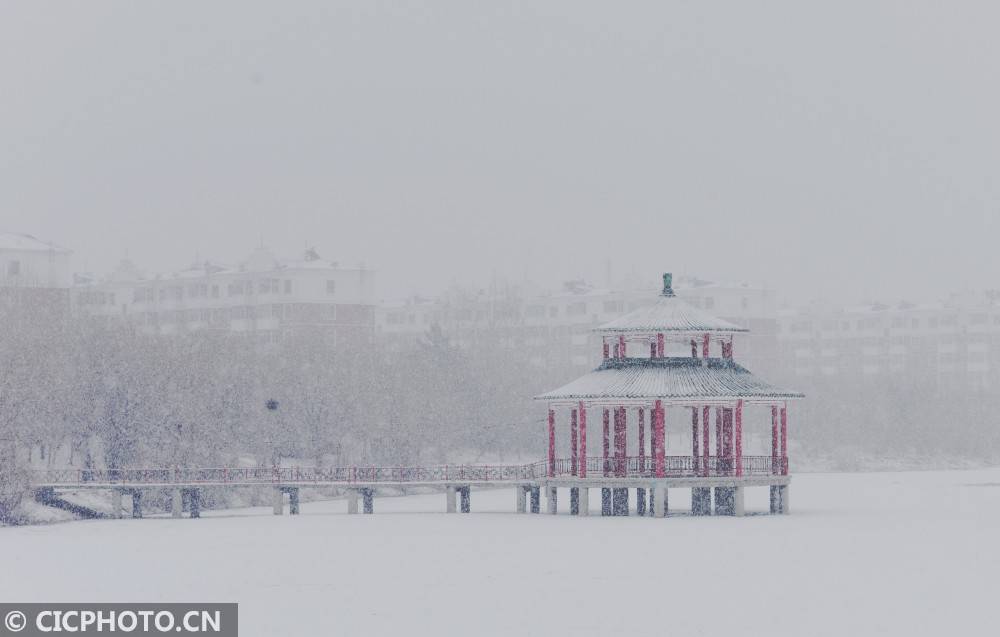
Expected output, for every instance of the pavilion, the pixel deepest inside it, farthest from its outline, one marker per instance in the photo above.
(669, 365)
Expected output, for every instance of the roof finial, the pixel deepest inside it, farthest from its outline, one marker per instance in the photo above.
(668, 289)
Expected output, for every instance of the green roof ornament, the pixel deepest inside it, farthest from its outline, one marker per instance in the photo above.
(668, 279)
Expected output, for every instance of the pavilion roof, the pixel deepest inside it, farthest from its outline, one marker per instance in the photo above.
(675, 378)
(669, 314)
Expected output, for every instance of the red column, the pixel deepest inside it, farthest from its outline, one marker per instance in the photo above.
(694, 440)
(573, 466)
(583, 441)
(694, 348)
(642, 439)
(621, 345)
(739, 438)
(659, 347)
(607, 442)
(607, 350)
(727, 438)
(718, 435)
(552, 443)
(774, 439)
(784, 441)
(704, 435)
(704, 346)
(621, 438)
(659, 459)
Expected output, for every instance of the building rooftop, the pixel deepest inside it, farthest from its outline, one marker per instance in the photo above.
(677, 378)
(669, 314)
(28, 243)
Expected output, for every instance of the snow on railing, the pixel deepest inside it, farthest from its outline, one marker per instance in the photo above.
(629, 467)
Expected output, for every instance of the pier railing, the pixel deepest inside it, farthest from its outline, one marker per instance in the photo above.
(629, 467)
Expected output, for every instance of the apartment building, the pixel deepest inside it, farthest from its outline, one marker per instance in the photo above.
(262, 297)
(35, 279)
(951, 344)
(556, 328)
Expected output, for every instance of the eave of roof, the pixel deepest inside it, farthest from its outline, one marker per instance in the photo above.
(675, 378)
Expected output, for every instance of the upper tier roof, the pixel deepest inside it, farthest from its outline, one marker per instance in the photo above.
(679, 378)
(27, 243)
(669, 314)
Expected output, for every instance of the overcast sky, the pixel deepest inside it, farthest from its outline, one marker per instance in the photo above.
(846, 150)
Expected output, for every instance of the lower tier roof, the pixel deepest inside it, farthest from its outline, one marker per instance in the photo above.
(675, 378)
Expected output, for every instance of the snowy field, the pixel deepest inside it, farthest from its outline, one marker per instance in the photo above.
(861, 554)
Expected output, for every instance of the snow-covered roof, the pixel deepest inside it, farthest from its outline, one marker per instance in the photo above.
(669, 314)
(675, 378)
(28, 243)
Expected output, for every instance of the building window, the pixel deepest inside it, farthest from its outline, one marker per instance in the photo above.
(576, 309)
(13, 268)
(331, 286)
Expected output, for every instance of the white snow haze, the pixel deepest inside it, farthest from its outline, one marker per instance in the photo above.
(692, 308)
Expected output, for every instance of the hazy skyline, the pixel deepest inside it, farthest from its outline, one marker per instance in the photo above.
(844, 151)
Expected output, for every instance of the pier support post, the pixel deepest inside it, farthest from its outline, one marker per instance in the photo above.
(293, 501)
(352, 501)
(701, 501)
(194, 502)
(640, 501)
(536, 497)
(278, 501)
(583, 504)
(659, 501)
(137, 504)
(725, 501)
(783, 501)
(176, 503)
(620, 501)
(739, 508)
(465, 499)
(116, 504)
(449, 499)
(552, 499)
(605, 501)
(522, 499)
(659, 504)
(574, 501)
(368, 500)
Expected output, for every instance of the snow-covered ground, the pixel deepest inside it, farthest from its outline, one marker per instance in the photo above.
(861, 554)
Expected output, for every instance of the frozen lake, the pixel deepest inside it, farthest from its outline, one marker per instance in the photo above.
(861, 554)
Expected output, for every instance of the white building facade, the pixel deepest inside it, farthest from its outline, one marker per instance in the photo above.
(35, 279)
(264, 297)
(952, 344)
(557, 328)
